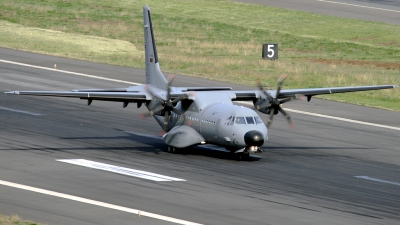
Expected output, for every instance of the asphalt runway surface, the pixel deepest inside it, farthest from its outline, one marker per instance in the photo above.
(387, 11)
(324, 171)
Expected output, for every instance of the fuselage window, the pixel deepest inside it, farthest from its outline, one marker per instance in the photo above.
(240, 120)
(250, 120)
(258, 120)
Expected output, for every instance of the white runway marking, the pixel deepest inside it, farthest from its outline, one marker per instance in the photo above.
(68, 72)
(120, 170)
(20, 111)
(97, 203)
(361, 6)
(247, 103)
(377, 180)
(335, 118)
(342, 119)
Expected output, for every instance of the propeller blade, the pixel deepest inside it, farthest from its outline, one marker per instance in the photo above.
(280, 82)
(271, 116)
(264, 93)
(286, 115)
(151, 112)
(170, 80)
(264, 105)
(180, 98)
(154, 94)
(177, 111)
(166, 119)
(296, 97)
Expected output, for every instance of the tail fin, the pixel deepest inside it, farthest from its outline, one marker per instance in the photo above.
(154, 76)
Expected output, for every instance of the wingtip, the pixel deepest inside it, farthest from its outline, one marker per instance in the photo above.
(395, 86)
(12, 92)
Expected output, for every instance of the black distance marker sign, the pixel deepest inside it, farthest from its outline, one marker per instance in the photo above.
(270, 51)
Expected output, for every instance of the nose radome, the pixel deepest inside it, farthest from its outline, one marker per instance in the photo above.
(254, 138)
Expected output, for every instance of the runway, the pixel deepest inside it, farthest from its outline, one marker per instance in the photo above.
(323, 171)
(372, 10)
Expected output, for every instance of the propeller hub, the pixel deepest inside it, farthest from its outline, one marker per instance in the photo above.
(254, 138)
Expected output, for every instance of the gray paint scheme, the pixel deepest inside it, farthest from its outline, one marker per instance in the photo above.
(205, 112)
(154, 75)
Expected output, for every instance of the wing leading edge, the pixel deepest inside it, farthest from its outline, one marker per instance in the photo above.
(102, 96)
(309, 92)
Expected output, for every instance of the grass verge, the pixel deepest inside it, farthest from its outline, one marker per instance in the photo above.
(16, 220)
(218, 40)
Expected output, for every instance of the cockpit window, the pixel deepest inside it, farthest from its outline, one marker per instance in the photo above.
(228, 121)
(233, 119)
(240, 120)
(250, 120)
(258, 120)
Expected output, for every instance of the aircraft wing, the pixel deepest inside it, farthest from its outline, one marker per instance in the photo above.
(333, 90)
(309, 92)
(102, 96)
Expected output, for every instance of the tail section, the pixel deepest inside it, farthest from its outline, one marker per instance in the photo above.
(154, 76)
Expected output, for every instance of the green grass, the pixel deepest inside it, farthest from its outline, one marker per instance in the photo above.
(15, 220)
(218, 40)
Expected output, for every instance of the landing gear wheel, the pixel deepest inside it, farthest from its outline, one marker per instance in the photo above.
(172, 149)
(242, 156)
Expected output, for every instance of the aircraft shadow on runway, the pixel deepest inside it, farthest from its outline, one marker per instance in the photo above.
(156, 145)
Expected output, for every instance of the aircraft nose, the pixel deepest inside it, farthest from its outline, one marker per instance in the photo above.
(254, 138)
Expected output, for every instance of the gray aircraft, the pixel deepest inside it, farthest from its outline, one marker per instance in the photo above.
(193, 116)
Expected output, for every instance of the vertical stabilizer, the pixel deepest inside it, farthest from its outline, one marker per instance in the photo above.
(154, 76)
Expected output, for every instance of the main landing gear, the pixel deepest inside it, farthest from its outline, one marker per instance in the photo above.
(172, 150)
(242, 155)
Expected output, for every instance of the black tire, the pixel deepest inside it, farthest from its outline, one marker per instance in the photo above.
(242, 156)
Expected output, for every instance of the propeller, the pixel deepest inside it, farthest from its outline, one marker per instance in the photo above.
(273, 105)
(164, 105)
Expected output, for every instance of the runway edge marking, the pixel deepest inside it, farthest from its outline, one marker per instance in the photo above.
(120, 170)
(336, 118)
(127, 82)
(377, 180)
(361, 6)
(69, 72)
(20, 111)
(97, 203)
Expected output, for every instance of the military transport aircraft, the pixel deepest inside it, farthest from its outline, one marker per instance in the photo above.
(201, 115)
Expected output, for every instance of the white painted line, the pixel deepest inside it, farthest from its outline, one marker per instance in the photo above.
(97, 203)
(68, 72)
(377, 180)
(335, 118)
(120, 170)
(342, 119)
(361, 6)
(247, 103)
(20, 111)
